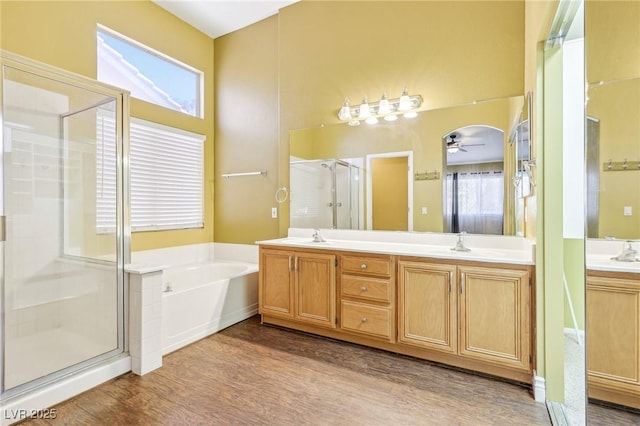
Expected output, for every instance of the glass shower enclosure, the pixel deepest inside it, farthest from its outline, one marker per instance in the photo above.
(64, 238)
(325, 194)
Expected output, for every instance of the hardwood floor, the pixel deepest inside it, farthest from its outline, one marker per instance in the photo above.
(250, 374)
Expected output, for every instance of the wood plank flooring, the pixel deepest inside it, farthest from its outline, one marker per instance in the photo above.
(251, 374)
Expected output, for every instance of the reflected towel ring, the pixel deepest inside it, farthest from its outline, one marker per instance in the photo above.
(610, 165)
(282, 194)
(625, 166)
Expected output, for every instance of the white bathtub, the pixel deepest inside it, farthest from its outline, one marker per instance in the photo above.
(201, 299)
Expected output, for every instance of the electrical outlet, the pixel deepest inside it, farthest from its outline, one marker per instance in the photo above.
(274, 212)
(424, 210)
(628, 210)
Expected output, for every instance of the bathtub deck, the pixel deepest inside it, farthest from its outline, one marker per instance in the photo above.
(258, 375)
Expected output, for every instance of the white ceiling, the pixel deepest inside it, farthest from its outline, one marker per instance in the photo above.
(219, 17)
(483, 144)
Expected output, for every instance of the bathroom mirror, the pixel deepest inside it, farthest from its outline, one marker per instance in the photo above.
(407, 159)
(613, 159)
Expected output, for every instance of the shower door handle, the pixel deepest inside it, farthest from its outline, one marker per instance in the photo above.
(3, 228)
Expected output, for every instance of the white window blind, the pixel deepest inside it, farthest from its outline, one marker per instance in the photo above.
(166, 179)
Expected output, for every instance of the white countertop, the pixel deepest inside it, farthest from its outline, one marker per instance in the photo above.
(605, 263)
(524, 255)
(599, 255)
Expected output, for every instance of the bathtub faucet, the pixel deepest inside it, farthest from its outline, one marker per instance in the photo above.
(317, 238)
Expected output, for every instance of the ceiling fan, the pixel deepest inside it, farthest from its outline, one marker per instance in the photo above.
(454, 145)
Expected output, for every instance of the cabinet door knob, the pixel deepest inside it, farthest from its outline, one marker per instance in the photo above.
(363, 320)
(363, 288)
(363, 266)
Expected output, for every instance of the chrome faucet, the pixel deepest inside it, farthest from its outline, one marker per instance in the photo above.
(628, 253)
(460, 243)
(317, 238)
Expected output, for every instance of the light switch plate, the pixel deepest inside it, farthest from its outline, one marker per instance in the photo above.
(628, 210)
(274, 212)
(424, 210)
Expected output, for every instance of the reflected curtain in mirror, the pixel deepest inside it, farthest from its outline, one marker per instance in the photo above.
(474, 202)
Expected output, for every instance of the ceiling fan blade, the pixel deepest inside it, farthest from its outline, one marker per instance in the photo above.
(462, 149)
(472, 144)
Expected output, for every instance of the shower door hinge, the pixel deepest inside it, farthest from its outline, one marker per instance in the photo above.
(3, 228)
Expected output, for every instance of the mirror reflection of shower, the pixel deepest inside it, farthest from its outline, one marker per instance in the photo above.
(326, 193)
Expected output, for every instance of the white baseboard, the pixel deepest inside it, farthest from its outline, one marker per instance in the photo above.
(539, 388)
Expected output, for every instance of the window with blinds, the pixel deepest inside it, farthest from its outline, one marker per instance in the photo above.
(166, 177)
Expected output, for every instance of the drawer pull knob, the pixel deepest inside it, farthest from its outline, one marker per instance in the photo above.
(363, 320)
(363, 266)
(363, 289)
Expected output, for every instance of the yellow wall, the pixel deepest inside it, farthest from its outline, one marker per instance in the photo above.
(246, 132)
(63, 34)
(617, 106)
(612, 58)
(612, 40)
(324, 58)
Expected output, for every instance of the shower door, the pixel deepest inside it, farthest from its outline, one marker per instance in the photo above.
(63, 251)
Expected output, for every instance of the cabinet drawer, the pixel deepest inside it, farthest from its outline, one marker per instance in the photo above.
(374, 289)
(367, 265)
(366, 319)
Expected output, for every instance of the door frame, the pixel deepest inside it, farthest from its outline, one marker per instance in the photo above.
(398, 154)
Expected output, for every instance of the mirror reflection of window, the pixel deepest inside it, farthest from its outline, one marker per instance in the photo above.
(475, 202)
(474, 183)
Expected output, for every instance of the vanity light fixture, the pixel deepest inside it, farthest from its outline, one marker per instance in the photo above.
(389, 109)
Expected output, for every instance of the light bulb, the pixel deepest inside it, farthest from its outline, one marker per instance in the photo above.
(453, 149)
(391, 117)
(345, 111)
(371, 120)
(354, 123)
(405, 102)
(410, 114)
(384, 107)
(364, 109)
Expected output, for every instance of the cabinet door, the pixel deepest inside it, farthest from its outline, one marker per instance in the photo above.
(613, 344)
(315, 289)
(495, 316)
(276, 283)
(427, 305)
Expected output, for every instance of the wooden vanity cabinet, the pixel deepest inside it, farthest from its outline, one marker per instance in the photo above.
(495, 316)
(613, 339)
(471, 315)
(367, 296)
(428, 305)
(477, 313)
(298, 285)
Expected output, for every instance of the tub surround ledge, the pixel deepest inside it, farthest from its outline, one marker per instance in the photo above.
(145, 321)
